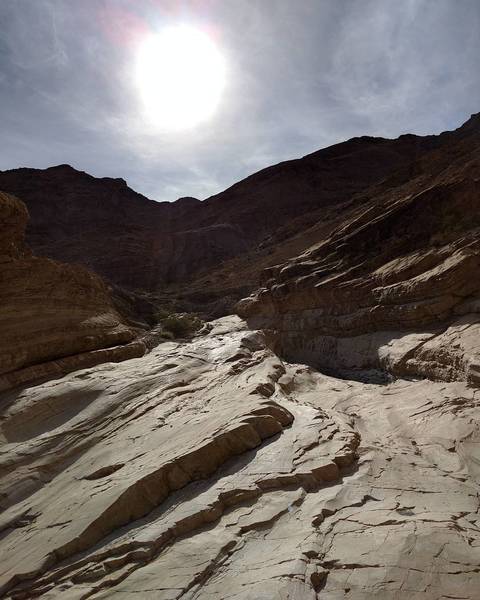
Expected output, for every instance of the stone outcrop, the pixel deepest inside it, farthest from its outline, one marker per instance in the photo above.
(54, 317)
(213, 469)
(395, 287)
(208, 255)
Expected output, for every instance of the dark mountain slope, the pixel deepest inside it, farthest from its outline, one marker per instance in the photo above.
(141, 244)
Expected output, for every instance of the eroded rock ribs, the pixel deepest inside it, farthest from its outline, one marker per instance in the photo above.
(214, 469)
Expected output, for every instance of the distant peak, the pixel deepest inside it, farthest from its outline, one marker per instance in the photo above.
(473, 123)
(187, 200)
(63, 167)
(115, 180)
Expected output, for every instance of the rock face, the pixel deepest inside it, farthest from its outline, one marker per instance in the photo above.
(110, 229)
(395, 288)
(212, 253)
(54, 317)
(215, 470)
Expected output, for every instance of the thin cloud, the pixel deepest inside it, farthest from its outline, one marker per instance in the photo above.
(301, 76)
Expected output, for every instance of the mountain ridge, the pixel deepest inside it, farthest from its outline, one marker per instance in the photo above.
(71, 211)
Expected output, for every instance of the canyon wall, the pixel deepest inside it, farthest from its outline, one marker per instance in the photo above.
(54, 317)
(395, 288)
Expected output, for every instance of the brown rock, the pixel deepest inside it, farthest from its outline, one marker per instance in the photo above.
(142, 244)
(384, 290)
(53, 317)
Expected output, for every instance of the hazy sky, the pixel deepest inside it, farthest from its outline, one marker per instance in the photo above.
(301, 75)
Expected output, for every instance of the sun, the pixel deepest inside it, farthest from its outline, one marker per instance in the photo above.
(180, 75)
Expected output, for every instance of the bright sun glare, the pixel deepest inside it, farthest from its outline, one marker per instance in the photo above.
(180, 75)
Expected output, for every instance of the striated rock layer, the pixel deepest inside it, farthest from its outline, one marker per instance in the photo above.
(215, 470)
(209, 254)
(396, 286)
(54, 317)
(142, 244)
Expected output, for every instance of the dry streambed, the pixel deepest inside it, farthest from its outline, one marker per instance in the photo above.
(214, 470)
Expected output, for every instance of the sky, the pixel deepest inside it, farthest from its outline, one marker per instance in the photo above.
(299, 75)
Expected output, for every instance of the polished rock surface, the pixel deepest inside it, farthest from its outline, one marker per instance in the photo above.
(213, 469)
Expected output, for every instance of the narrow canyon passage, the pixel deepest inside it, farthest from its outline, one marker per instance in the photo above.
(213, 469)
(240, 300)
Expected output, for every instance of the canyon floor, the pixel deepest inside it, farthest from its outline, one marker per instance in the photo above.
(212, 469)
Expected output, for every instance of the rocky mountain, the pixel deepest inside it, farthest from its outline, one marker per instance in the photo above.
(141, 244)
(323, 443)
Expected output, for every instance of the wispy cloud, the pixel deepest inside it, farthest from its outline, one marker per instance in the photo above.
(301, 75)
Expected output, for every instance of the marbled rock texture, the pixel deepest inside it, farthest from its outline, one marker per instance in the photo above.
(215, 470)
(54, 317)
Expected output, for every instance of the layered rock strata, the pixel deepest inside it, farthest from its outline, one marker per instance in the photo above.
(395, 287)
(54, 317)
(327, 448)
(150, 244)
